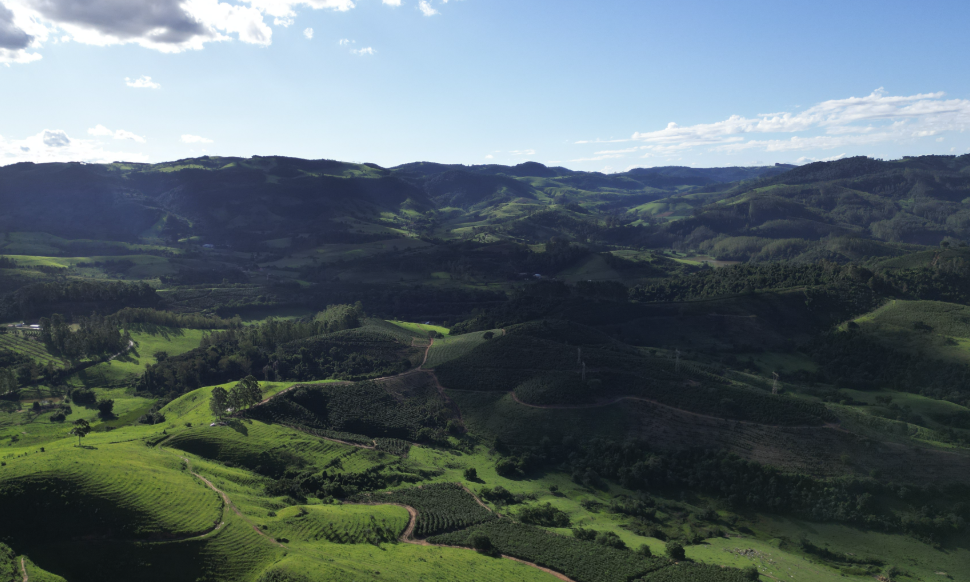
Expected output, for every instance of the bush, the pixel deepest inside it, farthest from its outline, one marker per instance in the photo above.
(608, 538)
(751, 573)
(675, 550)
(645, 551)
(581, 533)
(481, 543)
(471, 474)
(106, 407)
(545, 515)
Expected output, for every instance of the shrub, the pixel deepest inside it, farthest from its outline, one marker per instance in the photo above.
(545, 515)
(675, 550)
(481, 542)
(608, 538)
(471, 474)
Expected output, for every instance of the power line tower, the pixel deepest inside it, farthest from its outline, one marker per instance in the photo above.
(774, 386)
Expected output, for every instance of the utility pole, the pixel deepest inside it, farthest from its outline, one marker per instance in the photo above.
(774, 386)
(677, 361)
(579, 355)
(584, 371)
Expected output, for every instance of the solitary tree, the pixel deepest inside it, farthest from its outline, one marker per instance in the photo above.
(219, 401)
(471, 474)
(80, 430)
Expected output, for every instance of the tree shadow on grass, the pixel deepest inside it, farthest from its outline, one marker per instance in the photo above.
(238, 426)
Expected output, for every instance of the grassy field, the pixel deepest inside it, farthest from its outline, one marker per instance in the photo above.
(939, 330)
(449, 348)
(421, 328)
(149, 340)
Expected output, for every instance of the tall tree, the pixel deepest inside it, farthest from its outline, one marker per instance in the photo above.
(80, 430)
(219, 401)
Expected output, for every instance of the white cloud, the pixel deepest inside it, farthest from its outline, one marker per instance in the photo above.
(426, 8)
(806, 160)
(19, 33)
(308, 33)
(143, 82)
(363, 51)
(56, 146)
(102, 131)
(856, 121)
(169, 26)
(344, 42)
(189, 138)
(392, 2)
(489, 157)
(523, 152)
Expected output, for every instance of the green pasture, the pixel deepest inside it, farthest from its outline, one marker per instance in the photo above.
(592, 268)
(145, 266)
(934, 328)
(421, 329)
(149, 340)
(451, 347)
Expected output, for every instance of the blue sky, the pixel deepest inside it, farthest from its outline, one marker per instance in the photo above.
(586, 85)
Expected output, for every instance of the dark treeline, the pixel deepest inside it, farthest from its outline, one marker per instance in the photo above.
(95, 336)
(748, 278)
(130, 315)
(929, 513)
(87, 295)
(854, 360)
(7, 263)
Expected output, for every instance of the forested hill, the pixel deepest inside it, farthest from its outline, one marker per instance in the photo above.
(846, 210)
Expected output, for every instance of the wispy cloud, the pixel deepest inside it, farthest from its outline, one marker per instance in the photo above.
(876, 118)
(102, 131)
(523, 152)
(308, 33)
(143, 82)
(426, 8)
(364, 51)
(392, 2)
(189, 138)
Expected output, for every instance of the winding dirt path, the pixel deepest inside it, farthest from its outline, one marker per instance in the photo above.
(407, 536)
(226, 503)
(23, 568)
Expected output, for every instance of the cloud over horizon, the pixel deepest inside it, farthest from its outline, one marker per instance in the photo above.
(854, 121)
(54, 145)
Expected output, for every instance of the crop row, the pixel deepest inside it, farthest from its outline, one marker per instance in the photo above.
(441, 507)
(583, 561)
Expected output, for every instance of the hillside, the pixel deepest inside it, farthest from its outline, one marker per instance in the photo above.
(284, 370)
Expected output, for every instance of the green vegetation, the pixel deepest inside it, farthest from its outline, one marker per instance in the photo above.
(441, 507)
(661, 375)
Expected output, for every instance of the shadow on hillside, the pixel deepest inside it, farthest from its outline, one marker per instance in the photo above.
(238, 426)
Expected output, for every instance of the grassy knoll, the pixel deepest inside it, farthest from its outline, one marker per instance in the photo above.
(933, 328)
(149, 340)
(115, 490)
(447, 349)
(421, 328)
(269, 449)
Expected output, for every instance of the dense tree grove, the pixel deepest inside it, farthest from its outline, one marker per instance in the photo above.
(130, 315)
(95, 336)
(86, 295)
(869, 503)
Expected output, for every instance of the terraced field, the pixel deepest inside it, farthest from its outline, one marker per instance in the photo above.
(121, 491)
(269, 449)
(28, 347)
(346, 524)
(451, 347)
